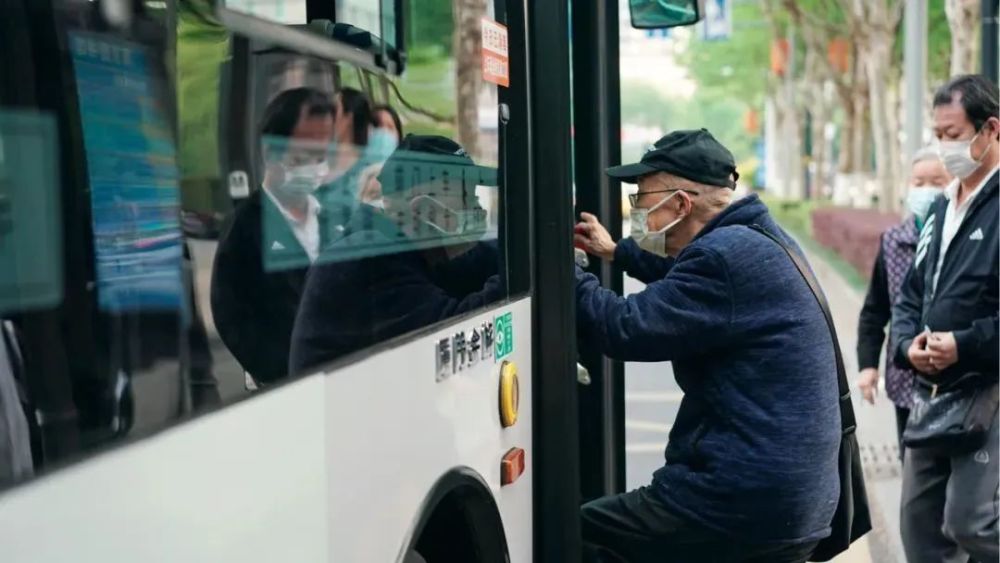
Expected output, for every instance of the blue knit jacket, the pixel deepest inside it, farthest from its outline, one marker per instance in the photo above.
(753, 451)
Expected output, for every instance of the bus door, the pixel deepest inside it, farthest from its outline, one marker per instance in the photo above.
(604, 460)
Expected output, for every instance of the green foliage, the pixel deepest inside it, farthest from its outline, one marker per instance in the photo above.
(202, 46)
(796, 218)
(429, 24)
(736, 68)
(721, 114)
(938, 43)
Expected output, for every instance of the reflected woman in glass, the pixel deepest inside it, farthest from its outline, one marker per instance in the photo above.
(262, 260)
(385, 135)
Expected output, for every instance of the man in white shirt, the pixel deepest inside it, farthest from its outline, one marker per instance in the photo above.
(945, 326)
(275, 235)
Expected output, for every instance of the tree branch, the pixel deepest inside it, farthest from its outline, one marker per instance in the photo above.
(420, 111)
(896, 13)
(815, 40)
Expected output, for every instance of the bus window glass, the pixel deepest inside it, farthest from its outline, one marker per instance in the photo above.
(375, 208)
(254, 213)
(289, 12)
(30, 232)
(375, 16)
(101, 335)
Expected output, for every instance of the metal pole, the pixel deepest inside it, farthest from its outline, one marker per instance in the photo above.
(915, 74)
(988, 39)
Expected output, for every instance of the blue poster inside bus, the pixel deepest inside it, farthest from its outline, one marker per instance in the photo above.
(133, 176)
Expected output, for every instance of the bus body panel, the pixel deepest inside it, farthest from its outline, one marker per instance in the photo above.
(241, 484)
(383, 468)
(332, 467)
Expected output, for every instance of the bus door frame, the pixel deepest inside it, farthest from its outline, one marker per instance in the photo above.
(556, 424)
(597, 145)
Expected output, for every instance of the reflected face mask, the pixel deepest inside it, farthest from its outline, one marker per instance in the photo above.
(304, 179)
(381, 143)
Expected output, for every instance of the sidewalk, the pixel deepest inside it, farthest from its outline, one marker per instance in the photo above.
(876, 429)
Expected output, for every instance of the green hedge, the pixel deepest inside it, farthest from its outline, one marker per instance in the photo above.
(796, 218)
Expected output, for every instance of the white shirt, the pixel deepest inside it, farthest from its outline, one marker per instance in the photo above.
(954, 215)
(307, 231)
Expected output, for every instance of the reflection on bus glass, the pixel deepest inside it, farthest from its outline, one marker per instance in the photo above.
(281, 11)
(319, 209)
(30, 232)
(263, 257)
(425, 255)
(133, 177)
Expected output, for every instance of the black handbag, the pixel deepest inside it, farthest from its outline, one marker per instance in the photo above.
(953, 418)
(852, 518)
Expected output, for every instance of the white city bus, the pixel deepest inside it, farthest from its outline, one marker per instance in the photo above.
(202, 361)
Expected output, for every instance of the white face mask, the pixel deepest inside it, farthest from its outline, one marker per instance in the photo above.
(957, 157)
(920, 199)
(304, 179)
(655, 242)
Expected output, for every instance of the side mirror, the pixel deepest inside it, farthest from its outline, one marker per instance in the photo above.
(661, 14)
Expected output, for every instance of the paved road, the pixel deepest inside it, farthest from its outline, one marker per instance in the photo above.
(652, 398)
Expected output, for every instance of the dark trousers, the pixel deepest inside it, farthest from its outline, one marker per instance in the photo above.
(902, 415)
(950, 505)
(636, 527)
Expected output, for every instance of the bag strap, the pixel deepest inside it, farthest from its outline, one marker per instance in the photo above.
(847, 420)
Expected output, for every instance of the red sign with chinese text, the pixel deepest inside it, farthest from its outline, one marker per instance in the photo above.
(496, 63)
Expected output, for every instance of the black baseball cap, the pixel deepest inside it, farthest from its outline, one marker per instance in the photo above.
(692, 154)
(421, 159)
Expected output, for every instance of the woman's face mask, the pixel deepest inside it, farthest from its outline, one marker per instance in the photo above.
(957, 156)
(303, 179)
(655, 241)
(919, 200)
(381, 143)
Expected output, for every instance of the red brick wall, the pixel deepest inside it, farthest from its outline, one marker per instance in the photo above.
(852, 233)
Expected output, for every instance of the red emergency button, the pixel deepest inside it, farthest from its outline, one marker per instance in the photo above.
(512, 466)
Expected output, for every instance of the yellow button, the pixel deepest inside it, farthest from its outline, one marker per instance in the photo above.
(509, 394)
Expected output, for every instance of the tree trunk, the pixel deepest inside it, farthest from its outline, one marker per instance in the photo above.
(467, 47)
(884, 134)
(963, 20)
(819, 110)
(790, 120)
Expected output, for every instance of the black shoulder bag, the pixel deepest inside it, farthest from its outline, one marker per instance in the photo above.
(852, 518)
(952, 418)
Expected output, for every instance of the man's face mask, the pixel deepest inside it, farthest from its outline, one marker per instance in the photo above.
(957, 156)
(446, 221)
(655, 241)
(303, 179)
